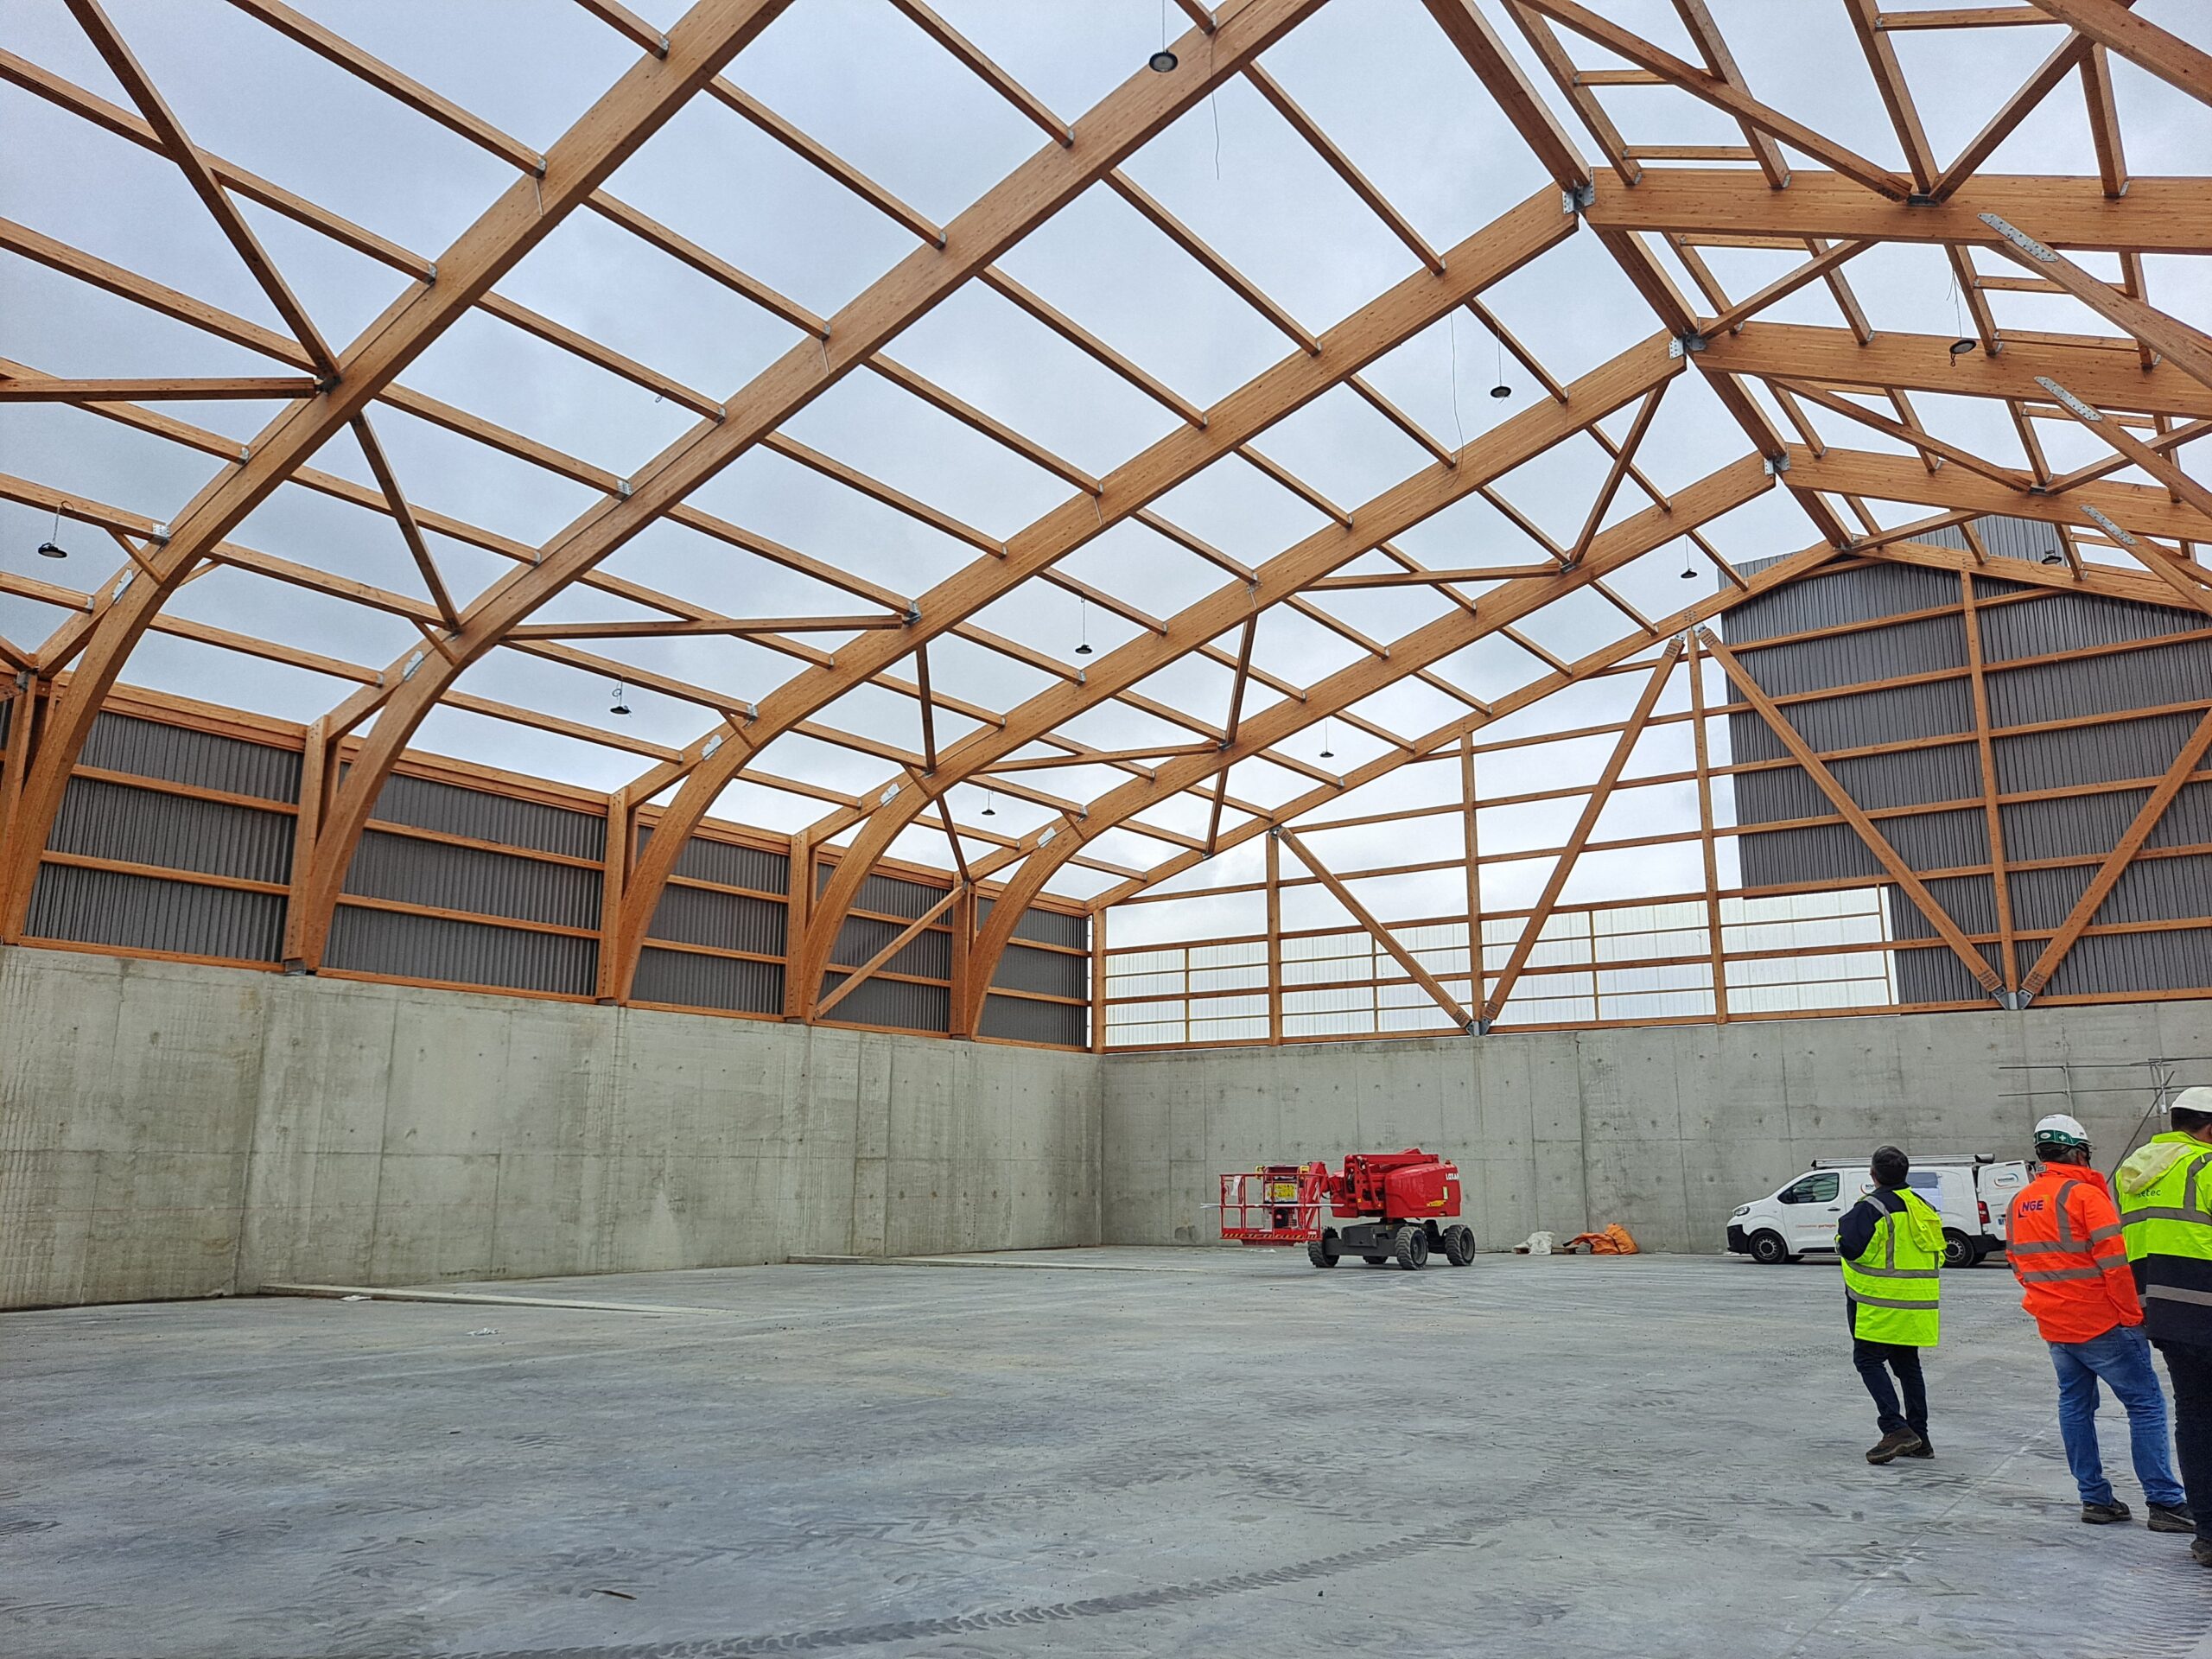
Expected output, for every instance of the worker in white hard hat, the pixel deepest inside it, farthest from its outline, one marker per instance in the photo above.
(2165, 1204)
(2062, 1237)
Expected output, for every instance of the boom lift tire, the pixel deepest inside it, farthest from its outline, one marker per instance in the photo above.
(1413, 1247)
(1458, 1245)
(1322, 1251)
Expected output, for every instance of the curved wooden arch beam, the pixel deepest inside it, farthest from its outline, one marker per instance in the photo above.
(1052, 847)
(1633, 374)
(632, 111)
(1052, 178)
(1500, 248)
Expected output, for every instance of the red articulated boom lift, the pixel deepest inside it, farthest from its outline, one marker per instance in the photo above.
(1394, 1202)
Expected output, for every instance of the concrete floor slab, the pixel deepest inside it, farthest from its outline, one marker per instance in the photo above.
(1217, 1452)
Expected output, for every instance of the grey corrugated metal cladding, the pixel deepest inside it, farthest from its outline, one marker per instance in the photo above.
(442, 948)
(449, 808)
(687, 979)
(148, 748)
(446, 877)
(2173, 666)
(143, 913)
(1018, 1018)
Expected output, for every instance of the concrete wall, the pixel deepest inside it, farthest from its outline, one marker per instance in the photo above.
(174, 1130)
(1665, 1129)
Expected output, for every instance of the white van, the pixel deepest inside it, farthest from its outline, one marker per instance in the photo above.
(1970, 1193)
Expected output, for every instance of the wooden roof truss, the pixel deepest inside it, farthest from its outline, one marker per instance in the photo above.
(1799, 393)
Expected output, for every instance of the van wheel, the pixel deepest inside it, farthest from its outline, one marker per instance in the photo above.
(1770, 1249)
(1958, 1249)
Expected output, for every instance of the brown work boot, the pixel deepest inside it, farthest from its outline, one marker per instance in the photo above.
(2164, 1517)
(1925, 1449)
(2200, 1551)
(1895, 1444)
(2103, 1515)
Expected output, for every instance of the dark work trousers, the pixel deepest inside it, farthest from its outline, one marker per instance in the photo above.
(1876, 1360)
(2190, 1369)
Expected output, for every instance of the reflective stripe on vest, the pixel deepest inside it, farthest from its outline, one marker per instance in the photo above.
(2179, 1294)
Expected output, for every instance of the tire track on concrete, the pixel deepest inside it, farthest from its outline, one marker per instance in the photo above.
(1057, 1612)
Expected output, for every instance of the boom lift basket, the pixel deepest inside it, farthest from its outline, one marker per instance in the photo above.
(1276, 1204)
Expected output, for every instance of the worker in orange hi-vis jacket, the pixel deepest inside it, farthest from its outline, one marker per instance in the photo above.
(2065, 1240)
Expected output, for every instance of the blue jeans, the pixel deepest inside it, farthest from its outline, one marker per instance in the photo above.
(2122, 1357)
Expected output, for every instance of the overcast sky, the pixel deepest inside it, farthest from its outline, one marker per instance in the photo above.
(1376, 74)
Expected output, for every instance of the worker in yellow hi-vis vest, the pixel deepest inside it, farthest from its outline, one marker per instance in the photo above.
(1892, 1243)
(2166, 1206)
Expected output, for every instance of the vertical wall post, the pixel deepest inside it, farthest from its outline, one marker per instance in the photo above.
(798, 906)
(1471, 842)
(963, 936)
(1978, 674)
(1098, 982)
(306, 824)
(1713, 935)
(1274, 943)
(615, 872)
(22, 738)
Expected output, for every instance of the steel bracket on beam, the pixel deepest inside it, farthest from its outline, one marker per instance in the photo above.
(1776, 466)
(1684, 345)
(1478, 1027)
(2019, 239)
(1578, 199)
(2014, 1001)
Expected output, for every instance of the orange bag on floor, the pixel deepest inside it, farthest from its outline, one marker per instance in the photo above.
(1614, 1241)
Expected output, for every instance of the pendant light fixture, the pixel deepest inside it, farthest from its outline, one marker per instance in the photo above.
(1082, 625)
(51, 548)
(621, 705)
(989, 811)
(1690, 565)
(2054, 558)
(1163, 61)
(1501, 390)
(1327, 754)
(1966, 342)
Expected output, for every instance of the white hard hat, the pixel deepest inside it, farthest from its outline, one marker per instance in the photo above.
(2198, 1099)
(2060, 1130)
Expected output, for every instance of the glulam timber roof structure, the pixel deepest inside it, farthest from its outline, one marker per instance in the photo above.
(1057, 595)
